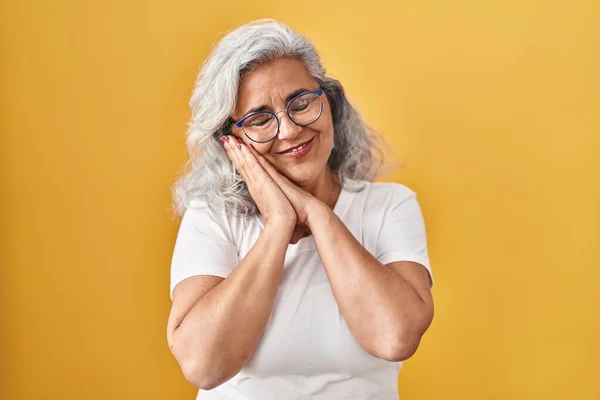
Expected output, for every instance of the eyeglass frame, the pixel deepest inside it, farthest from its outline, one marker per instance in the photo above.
(239, 123)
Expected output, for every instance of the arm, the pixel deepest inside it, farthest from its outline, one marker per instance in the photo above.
(387, 308)
(215, 323)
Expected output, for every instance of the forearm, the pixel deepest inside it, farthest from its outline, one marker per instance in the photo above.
(220, 332)
(384, 313)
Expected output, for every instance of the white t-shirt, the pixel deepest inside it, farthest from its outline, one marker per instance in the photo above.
(307, 350)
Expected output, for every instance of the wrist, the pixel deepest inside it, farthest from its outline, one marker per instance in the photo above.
(317, 212)
(280, 223)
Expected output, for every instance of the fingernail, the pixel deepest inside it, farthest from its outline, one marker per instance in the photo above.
(221, 140)
(239, 146)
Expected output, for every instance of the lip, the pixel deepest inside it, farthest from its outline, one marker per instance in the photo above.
(299, 153)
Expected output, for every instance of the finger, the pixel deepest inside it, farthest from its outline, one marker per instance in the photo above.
(260, 159)
(249, 164)
(224, 140)
(266, 165)
(230, 147)
(280, 179)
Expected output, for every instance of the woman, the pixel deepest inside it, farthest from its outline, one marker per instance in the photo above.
(293, 276)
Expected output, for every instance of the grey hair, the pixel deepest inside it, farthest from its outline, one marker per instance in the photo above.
(209, 173)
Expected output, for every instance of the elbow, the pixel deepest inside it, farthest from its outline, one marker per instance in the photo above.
(203, 378)
(396, 346)
(201, 370)
(399, 349)
(402, 340)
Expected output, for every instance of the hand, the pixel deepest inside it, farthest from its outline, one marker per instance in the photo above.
(268, 196)
(302, 201)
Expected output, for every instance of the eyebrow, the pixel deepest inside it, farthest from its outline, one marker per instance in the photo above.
(287, 100)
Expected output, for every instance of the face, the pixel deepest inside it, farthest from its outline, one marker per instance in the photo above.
(270, 87)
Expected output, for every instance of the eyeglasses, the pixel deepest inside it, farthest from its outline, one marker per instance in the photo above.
(263, 126)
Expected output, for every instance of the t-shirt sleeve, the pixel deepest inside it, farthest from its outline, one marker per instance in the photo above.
(402, 236)
(204, 246)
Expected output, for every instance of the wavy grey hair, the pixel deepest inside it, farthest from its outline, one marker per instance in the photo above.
(209, 173)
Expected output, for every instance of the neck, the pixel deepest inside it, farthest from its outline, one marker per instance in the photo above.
(326, 188)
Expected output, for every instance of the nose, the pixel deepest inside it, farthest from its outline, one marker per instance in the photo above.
(288, 130)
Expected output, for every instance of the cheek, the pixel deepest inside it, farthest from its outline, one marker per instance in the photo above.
(261, 148)
(325, 126)
(326, 121)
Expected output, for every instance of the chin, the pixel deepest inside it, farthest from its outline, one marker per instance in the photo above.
(300, 178)
(303, 175)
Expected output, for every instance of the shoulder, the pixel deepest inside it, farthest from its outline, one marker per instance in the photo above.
(397, 190)
(201, 217)
(207, 219)
(381, 193)
(200, 207)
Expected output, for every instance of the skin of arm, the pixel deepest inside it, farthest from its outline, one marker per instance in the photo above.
(216, 323)
(387, 308)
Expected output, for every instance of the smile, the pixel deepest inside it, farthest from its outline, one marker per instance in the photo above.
(299, 151)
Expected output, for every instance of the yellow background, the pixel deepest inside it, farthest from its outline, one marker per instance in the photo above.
(492, 106)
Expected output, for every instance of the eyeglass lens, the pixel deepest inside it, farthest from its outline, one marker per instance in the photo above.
(303, 110)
